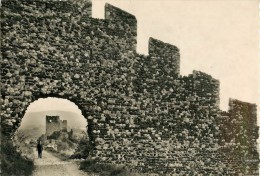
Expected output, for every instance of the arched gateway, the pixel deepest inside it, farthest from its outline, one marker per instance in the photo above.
(140, 111)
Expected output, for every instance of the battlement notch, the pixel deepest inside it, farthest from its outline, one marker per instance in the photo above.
(167, 52)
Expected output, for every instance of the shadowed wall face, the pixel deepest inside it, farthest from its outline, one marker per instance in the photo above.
(240, 132)
(140, 111)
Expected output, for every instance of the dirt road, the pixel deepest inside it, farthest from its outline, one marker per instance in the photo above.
(49, 165)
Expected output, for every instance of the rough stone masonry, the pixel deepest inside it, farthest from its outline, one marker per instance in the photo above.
(141, 112)
(53, 123)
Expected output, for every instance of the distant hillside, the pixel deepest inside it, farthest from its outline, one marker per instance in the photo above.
(37, 119)
(31, 133)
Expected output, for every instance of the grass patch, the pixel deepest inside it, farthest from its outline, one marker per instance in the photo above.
(12, 163)
(91, 166)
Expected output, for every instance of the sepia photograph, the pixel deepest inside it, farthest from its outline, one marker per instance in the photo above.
(130, 88)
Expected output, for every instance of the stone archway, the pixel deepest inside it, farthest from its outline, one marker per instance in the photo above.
(67, 135)
(18, 110)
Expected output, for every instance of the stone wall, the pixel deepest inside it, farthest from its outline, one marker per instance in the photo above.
(141, 112)
(53, 123)
(64, 125)
(239, 134)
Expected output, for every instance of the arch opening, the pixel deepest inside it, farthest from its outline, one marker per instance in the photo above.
(60, 126)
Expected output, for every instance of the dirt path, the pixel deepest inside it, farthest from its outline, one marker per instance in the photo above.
(49, 165)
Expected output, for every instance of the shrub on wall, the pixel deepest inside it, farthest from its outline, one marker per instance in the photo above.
(83, 149)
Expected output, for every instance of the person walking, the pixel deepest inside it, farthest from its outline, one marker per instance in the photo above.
(39, 148)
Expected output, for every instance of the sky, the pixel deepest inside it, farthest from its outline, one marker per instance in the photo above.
(218, 37)
(52, 104)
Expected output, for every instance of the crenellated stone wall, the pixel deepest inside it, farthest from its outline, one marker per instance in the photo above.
(239, 137)
(141, 112)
